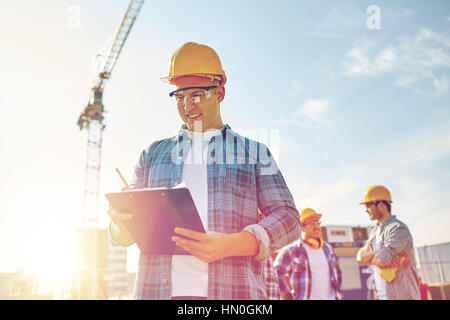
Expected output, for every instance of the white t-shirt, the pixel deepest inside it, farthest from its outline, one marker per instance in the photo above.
(380, 283)
(190, 274)
(320, 275)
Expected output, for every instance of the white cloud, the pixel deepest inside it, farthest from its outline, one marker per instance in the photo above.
(441, 84)
(360, 64)
(386, 60)
(309, 114)
(313, 109)
(411, 59)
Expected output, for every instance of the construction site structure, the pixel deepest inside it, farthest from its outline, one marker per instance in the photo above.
(346, 241)
(92, 119)
(434, 269)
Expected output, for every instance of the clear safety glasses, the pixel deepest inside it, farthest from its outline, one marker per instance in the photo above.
(313, 223)
(193, 94)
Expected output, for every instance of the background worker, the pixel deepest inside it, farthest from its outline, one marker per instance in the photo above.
(389, 250)
(308, 269)
(232, 178)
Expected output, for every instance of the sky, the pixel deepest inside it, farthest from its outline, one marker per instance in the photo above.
(346, 94)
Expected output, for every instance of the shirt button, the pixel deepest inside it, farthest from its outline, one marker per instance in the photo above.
(165, 281)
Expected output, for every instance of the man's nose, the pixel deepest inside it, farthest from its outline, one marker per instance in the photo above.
(188, 103)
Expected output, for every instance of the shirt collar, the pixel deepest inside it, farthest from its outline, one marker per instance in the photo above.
(387, 221)
(184, 133)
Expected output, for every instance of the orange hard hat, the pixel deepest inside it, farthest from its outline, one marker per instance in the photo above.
(197, 60)
(308, 214)
(376, 193)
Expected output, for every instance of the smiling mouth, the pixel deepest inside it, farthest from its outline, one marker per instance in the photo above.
(193, 116)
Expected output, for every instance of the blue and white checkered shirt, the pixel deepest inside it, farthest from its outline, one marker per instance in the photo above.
(396, 238)
(242, 177)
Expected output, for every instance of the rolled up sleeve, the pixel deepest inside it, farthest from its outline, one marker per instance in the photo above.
(282, 221)
(398, 240)
(263, 240)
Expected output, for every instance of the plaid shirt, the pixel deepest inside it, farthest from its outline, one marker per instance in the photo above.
(293, 261)
(395, 238)
(271, 280)
(242, 177)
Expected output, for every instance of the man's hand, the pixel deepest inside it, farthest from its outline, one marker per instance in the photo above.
(377, 262)
(365, 256)
(118, 230)
(213, 246)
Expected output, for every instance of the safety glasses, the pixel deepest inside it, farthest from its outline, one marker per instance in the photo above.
(195, 94)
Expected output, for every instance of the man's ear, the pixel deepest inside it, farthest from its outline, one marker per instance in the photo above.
(220, 93)
(382, 206)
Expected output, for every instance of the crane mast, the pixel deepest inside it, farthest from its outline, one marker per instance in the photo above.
(92, 120)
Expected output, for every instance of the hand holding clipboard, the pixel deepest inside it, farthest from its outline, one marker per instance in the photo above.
(151, 215)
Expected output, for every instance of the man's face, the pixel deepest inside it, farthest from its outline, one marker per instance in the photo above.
(311, 229)
(202, 115)
(373, 211)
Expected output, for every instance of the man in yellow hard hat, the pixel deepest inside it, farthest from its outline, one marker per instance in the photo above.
(389, 251)
(229, 176)
(308, 269)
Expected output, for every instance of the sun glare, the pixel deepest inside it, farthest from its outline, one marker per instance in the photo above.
(52, 259)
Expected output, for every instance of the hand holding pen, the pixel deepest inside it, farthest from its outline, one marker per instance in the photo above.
(117, 227)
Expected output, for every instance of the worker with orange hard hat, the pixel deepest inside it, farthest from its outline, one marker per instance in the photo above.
(308, 269)
(230, 178)
(389, 251)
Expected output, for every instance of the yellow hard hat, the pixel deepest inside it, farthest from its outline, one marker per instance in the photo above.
(376, 193)
(308, 214)
(198, 60)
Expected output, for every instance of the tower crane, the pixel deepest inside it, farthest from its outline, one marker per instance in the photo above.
(92, 120)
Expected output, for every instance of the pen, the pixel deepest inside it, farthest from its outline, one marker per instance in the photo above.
(123, 179)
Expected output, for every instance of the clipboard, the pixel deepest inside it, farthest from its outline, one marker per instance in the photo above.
(156, 213)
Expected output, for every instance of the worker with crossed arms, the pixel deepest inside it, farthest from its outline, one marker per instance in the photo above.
(388, 251)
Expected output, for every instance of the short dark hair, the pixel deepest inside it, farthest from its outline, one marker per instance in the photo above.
(386, 203)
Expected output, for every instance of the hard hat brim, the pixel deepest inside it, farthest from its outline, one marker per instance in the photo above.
(221, 78)
(374, 201)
